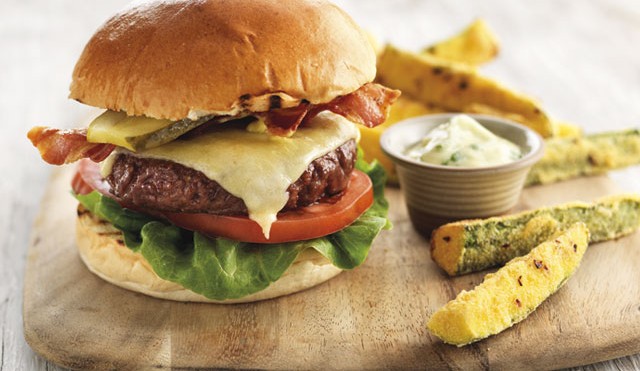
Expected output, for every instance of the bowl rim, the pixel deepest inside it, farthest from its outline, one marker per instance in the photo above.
(528, 159)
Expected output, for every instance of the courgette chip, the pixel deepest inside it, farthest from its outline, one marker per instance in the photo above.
(567, 158)
(475, 45)
(514, 291)
(473, 245)
(457, 87)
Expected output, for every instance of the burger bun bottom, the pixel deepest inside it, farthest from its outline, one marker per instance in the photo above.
(102, 250)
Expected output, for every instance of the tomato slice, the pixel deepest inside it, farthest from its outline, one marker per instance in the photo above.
(301, 224)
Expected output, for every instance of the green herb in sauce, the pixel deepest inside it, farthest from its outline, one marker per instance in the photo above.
(463, 142)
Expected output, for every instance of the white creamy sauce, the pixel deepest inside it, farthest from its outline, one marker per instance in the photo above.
(463, 142)
(254, 166)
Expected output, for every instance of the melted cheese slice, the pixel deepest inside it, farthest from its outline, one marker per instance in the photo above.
(257, 167)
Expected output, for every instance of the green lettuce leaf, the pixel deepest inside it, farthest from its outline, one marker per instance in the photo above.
(219, 268)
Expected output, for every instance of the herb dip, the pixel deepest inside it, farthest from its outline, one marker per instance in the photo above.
(463, 142)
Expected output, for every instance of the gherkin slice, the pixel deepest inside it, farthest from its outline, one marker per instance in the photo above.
(137, 133)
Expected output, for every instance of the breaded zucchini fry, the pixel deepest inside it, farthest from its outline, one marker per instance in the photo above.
(566, 158)
(564, 129)
(509, 295)
(473, 245)
(475, 45)
(454, 86)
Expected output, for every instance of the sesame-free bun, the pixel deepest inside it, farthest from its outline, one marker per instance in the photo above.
(189, 58)
(103, 252)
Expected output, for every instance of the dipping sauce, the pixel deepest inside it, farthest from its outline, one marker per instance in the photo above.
(463, 142)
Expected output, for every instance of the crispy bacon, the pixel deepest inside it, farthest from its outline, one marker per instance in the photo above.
(58, 147)
(367, 106)
(283, 122)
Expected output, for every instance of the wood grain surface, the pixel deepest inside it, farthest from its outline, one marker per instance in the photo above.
(367, 318)
(579, 58)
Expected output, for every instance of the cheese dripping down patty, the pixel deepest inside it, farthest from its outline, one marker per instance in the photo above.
(253, 166)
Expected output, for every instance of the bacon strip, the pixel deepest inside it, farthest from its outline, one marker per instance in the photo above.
(284, 122)
(367, 106)
(58, 147)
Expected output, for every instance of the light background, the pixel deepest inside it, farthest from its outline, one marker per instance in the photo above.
(581, 59)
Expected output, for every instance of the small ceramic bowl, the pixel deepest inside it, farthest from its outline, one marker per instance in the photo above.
(437, 194)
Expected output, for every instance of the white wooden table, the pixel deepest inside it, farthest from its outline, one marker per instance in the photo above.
(580, 58)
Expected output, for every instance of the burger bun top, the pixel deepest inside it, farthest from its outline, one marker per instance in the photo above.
(189, 58)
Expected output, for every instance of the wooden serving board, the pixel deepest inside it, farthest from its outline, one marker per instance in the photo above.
(369, 318)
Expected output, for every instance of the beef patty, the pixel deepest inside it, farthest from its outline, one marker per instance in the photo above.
(167, 186)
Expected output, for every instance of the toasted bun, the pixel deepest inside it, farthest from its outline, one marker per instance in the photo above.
(188, 58)
(102, 250)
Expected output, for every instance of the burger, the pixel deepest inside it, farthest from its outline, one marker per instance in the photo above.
(225, 166)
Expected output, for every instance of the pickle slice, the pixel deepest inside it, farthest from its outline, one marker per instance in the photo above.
(137, 133)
